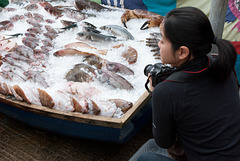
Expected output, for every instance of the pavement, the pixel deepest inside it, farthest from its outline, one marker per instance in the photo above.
(20, 142)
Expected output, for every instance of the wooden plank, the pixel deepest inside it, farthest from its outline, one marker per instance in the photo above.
(143, 100)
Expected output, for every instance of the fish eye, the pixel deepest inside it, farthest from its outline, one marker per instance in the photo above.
(80, 34)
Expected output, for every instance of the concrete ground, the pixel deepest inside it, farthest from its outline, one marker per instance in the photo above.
(19, 142)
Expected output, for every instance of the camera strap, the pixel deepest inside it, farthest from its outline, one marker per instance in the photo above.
(183, 76)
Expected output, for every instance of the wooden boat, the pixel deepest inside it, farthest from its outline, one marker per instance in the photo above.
(75, 124)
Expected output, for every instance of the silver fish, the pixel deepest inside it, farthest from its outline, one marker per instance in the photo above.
(36, 76)
(90, 29)
(16, 70)
(95, 37)
(113, 79)
(118, 31)
(67, 23)
(87, 24)
(24, 50)
(33, 22)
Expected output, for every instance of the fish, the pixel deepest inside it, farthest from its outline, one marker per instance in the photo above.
(46, 48)
(3, 88)
(84, 45)
(27, 94)
(32, 39)
(50, 9)
(71, 52)
(24, 50)
(47, 42)
(94, 60)
(67, 23)
(7, 26)
(33, 22)
(16, 70)
(118, 67)
(17, 97)
(50, 21)
(95, 37)
(30, 34)
(28, 15)
(80, 105)
(113, 79)
(85, 67)
(9, 9)
(130, 55)
(85, 4)
(36, 76)
(45, 99)
(81, 89)
(3, 23)
(16, 18)
(107, 108)
(38, 17)
(78, 16)
(31, 7)
(21, 64)
(50, 30)
(16, 56)
(50, 35)
(36, 30)
(29, 43)
(12, 76)
(78, 75)
(87, 24)
(69, 27)
(89, 29)
(118, 31)
(62, 101)
(122, 104)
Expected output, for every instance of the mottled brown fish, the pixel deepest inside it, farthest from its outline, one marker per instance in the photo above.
(131, 55)
(119, 68)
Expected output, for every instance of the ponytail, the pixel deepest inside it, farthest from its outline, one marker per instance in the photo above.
(225, 61)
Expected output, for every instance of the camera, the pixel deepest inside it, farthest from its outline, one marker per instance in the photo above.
(158, 73)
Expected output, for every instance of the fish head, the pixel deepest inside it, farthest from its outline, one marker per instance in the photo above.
(111, 66)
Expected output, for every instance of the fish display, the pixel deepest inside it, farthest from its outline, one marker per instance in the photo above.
(118, 31)
(72, 56)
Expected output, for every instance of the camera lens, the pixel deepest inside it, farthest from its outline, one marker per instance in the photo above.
(147, 69)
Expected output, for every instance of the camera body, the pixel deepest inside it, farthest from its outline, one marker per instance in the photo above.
(158, 72)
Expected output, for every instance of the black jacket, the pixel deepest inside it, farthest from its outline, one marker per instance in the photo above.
(204, 114)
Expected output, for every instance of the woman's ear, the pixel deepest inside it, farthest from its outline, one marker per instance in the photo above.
(183, 52)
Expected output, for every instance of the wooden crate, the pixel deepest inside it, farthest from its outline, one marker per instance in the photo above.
(75, 124)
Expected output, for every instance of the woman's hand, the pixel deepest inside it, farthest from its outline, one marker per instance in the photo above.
(151, 88)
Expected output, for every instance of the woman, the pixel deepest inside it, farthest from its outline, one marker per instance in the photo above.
(204, 114)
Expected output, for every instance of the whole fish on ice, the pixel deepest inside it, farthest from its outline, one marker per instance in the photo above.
(95, 37)
(118, 31)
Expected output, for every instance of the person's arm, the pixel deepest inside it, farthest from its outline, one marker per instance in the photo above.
(163, 123)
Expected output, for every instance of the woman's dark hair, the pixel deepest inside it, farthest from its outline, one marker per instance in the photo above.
(190, 27)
